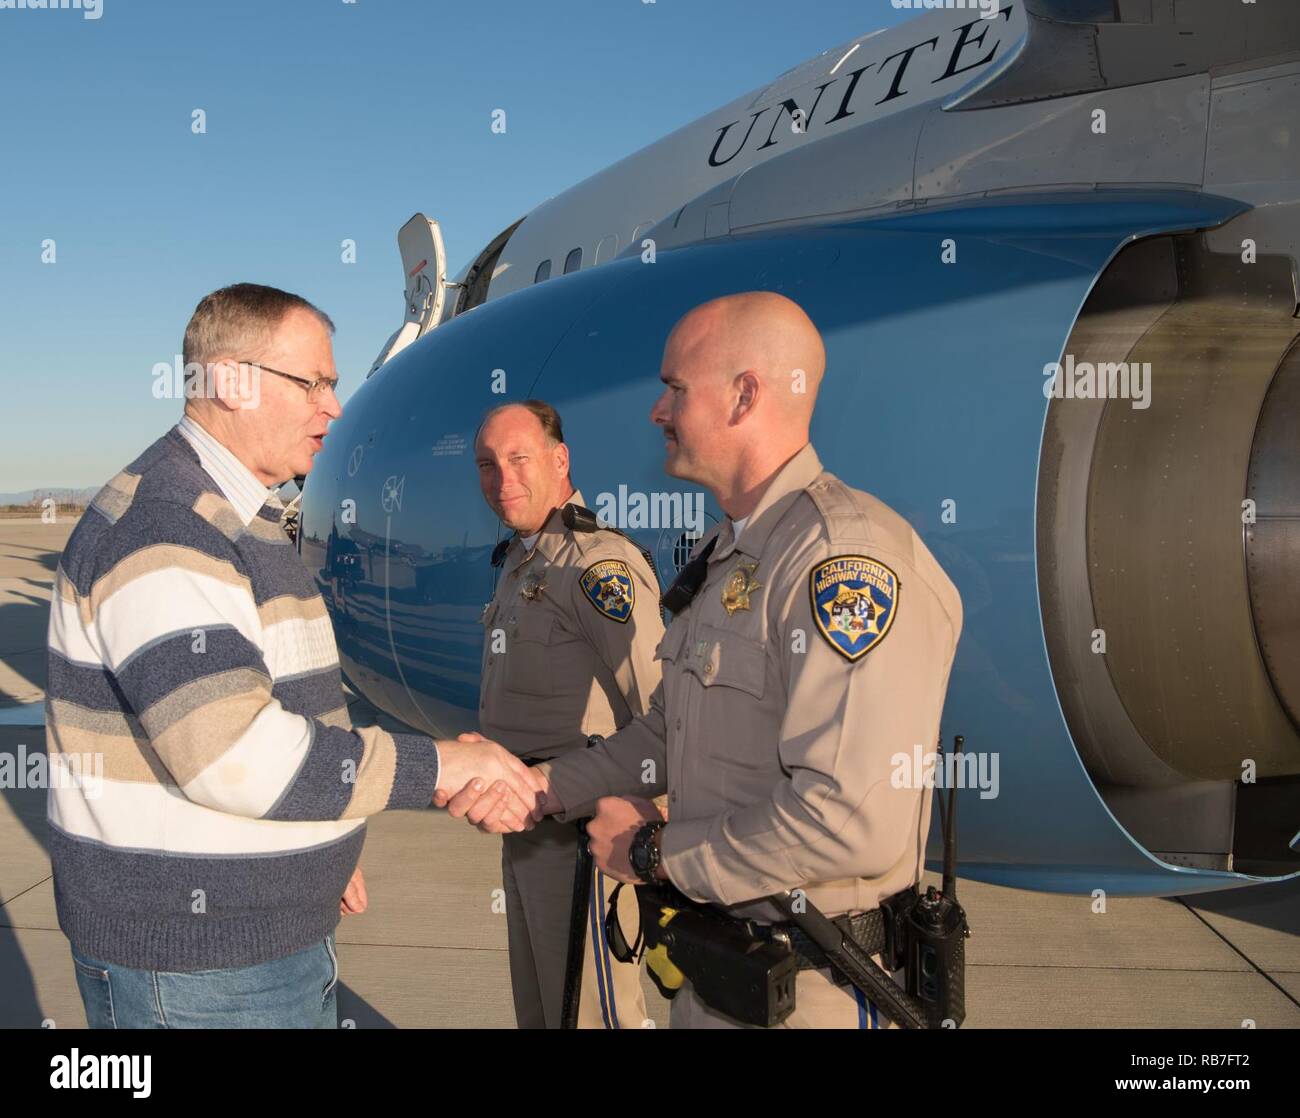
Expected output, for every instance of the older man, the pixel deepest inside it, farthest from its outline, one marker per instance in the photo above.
(199, 880)
(811, 641)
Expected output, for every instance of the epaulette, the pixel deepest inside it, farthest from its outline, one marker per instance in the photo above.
(579, 519)
(842, 511)
(499, 552)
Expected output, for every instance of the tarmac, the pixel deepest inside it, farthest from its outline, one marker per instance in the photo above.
(430, 952)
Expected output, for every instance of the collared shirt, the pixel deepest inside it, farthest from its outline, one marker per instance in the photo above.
(816, 652)
(568, 639)
(235, 480)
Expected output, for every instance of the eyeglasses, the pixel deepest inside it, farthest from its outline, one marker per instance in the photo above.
(313, 387)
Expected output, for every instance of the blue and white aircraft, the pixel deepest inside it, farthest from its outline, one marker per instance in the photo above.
(1053, 249)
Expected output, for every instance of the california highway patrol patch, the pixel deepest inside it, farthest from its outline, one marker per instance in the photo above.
(854, 600)
(608, 586)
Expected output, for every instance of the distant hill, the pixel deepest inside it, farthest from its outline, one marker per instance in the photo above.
(63, 496)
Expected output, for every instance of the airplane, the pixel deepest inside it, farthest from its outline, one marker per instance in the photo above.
(1053, 254)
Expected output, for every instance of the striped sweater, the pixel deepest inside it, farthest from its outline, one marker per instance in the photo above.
(194, 684)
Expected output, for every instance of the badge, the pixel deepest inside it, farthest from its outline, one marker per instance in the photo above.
(854, 600)
(532, 586)
(608, 586)
(740, 584)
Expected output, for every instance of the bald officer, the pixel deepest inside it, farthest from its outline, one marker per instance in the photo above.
(569, 640)
(816, 647)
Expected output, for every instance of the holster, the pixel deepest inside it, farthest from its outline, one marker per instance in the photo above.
(747, 970)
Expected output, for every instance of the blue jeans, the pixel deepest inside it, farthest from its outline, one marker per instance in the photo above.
(296, 992)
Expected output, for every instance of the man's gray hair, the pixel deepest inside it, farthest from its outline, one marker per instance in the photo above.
(239, 321)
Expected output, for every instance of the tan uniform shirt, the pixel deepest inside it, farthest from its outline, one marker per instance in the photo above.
(569, 640)
(788, 695)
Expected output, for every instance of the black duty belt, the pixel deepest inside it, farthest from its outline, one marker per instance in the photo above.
(867, 929)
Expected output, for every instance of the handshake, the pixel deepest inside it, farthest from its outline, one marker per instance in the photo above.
(489, 786)
(499, 794)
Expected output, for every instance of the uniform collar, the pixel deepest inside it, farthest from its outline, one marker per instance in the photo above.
(548, 543)
(794, 477)
(237, 483)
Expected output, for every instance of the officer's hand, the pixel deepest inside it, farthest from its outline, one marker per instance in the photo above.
(489, 808)
(463, 803)
(611, 830)
(476, 765)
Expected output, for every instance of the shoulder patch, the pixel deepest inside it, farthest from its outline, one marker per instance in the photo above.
(854, 600)
(608, 586)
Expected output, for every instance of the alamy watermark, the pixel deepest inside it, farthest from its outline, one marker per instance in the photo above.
(56, 770)
(959, 770)
(99, 1071)
(89, 9)
(176, 380)
(1105, 380)
(988, 9)
(632, 509)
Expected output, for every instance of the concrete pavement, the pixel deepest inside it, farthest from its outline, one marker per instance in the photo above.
(431, 950)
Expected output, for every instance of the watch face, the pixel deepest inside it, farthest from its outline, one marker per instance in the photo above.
(639, 855)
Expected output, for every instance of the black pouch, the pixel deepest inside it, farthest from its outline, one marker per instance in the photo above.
(897, 913)
(732, 971)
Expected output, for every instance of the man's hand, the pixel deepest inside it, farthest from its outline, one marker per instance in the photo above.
(611, 830)
(354, 896)
(497, 791)
(484, 806)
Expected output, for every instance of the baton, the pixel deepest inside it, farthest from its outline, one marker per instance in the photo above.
(577, 931)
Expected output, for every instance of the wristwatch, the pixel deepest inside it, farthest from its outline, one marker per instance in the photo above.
(644, 851)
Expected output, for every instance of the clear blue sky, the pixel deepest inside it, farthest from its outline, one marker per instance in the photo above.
(325, 120)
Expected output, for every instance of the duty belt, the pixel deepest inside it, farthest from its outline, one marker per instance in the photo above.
(867, 929)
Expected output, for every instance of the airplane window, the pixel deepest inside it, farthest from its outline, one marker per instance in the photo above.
(607, 249)
(543, 271)
(573, 261)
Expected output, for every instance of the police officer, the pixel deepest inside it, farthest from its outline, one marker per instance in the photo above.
(569, 640)
(817, 646)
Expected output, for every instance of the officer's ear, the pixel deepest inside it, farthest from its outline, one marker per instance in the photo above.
(561, 459)
(747, 388)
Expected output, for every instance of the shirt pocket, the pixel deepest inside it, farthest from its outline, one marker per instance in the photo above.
(529, 653)
(719, 658)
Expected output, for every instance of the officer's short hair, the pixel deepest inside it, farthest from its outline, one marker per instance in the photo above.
(546, 415)
(239, 320)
